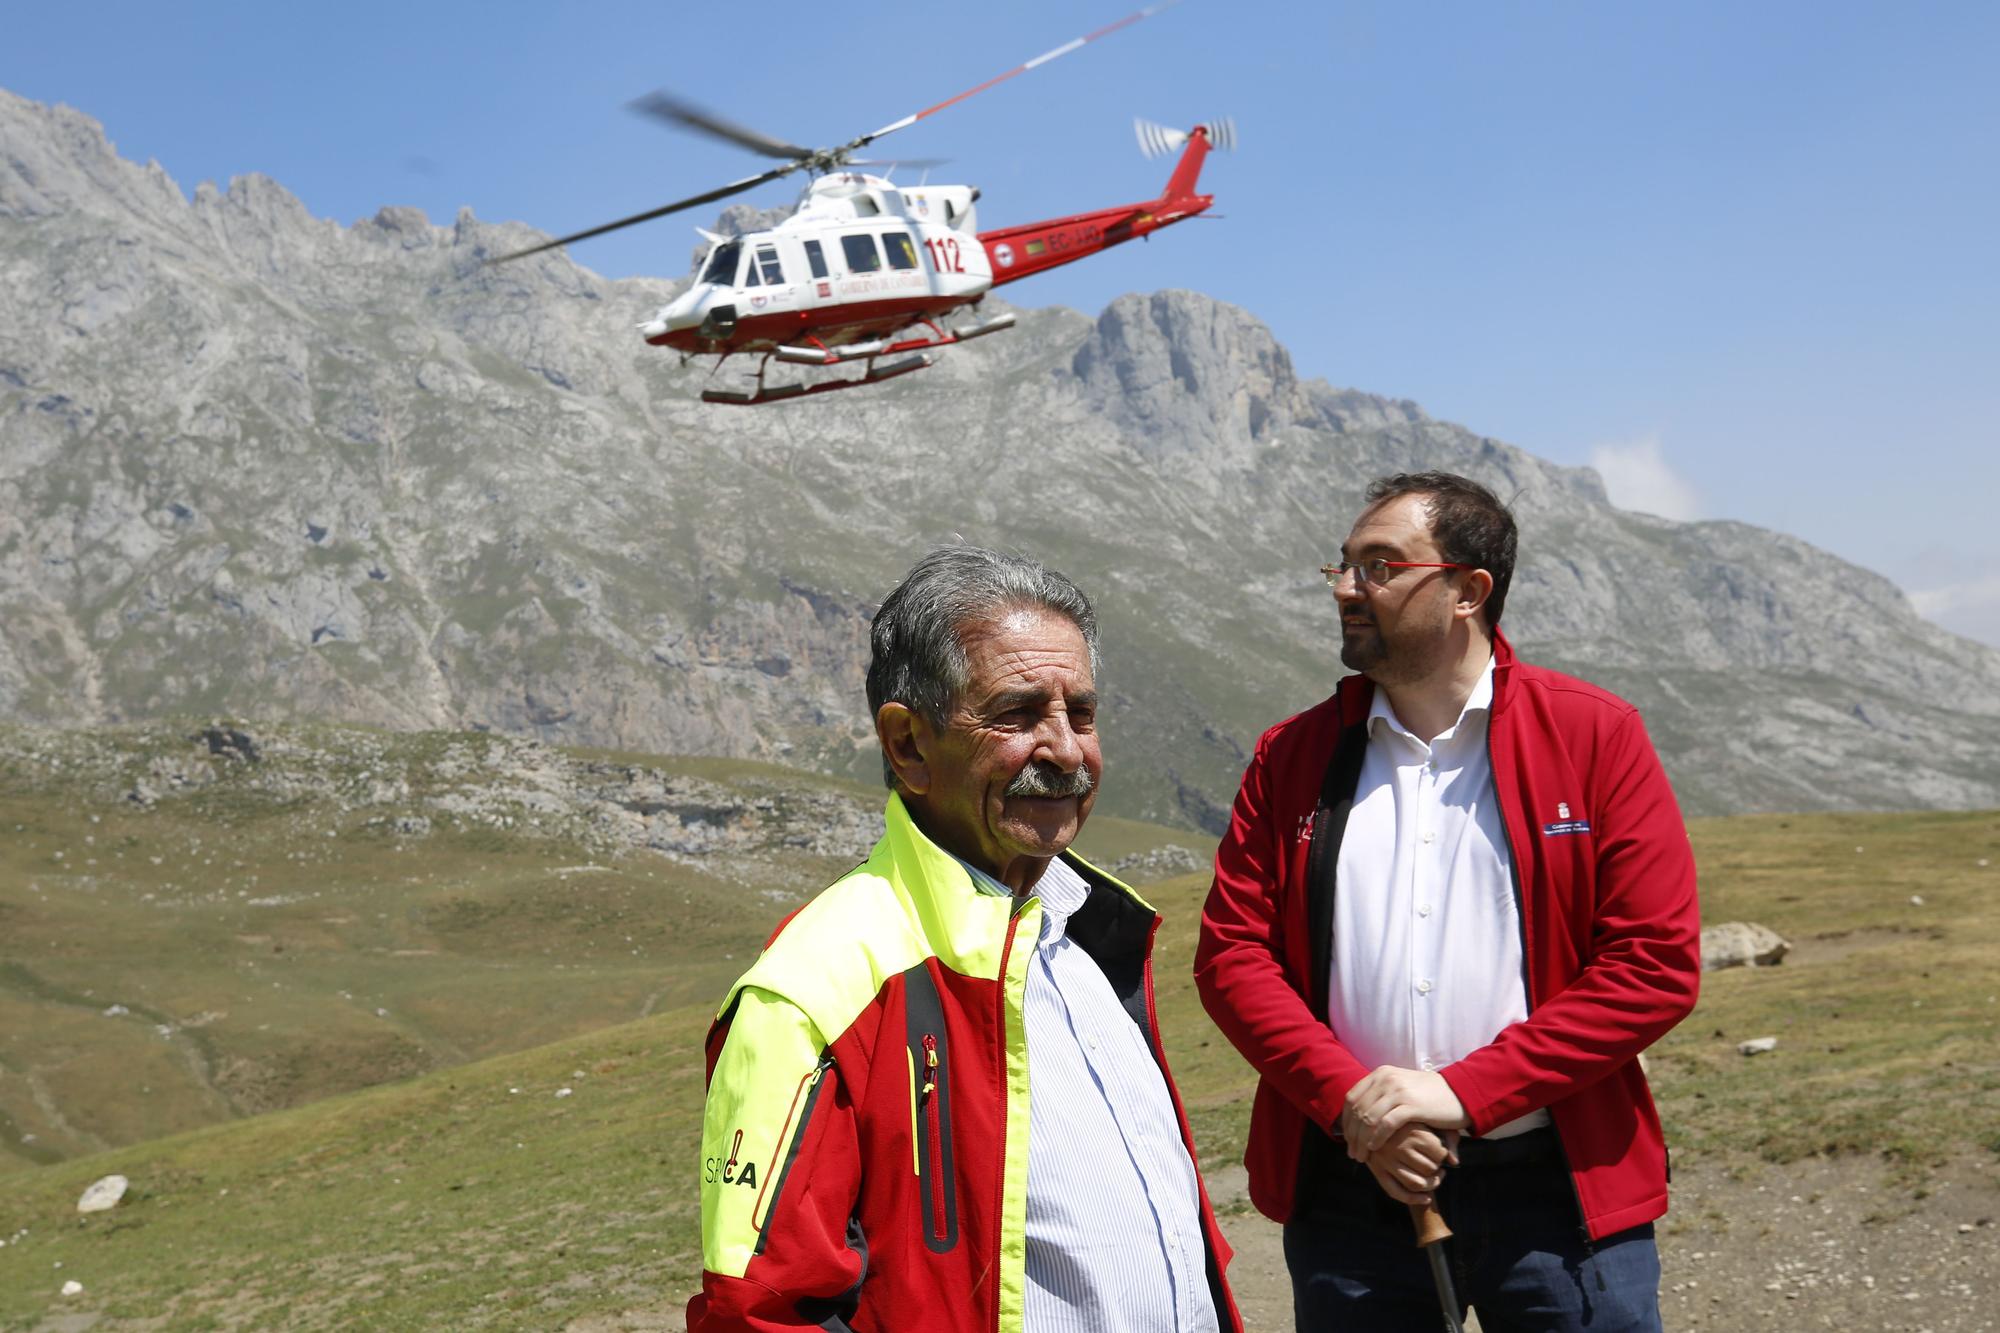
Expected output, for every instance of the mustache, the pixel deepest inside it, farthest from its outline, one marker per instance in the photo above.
(1046, 780)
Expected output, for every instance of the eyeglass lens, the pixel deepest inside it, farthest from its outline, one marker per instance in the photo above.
(1367, 571)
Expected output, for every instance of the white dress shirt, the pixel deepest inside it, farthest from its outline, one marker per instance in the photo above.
(1426, 933)
(1114, 1239)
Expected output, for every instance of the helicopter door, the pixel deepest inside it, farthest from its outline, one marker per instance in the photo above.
(906, 274)
(858, 249)
(764, 281)
(821, 282)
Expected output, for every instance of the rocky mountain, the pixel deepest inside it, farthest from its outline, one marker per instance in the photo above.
(256, 463)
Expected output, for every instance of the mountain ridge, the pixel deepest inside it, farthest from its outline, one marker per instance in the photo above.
(256, 463)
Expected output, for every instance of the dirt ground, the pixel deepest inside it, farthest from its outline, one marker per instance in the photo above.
(1816, 1244)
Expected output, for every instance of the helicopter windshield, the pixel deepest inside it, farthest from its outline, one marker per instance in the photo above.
(721, 267)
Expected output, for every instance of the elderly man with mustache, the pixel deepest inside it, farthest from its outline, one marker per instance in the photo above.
(939, 1099)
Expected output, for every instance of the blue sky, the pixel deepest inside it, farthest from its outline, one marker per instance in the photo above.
(1743, 257)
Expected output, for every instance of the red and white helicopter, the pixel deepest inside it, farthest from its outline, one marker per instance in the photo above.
(868, 271)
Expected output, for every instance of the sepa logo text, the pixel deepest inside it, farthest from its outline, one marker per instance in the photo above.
(730, 1170)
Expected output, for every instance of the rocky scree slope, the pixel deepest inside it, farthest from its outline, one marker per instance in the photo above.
(255, 462)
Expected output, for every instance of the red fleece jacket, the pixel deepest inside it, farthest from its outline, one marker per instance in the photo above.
(1605, 885)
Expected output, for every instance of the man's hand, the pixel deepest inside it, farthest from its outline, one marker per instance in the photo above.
(1390, 1098)
(1410, 1166)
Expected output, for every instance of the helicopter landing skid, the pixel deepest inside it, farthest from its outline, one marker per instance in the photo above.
(785, 392)
(820, 355)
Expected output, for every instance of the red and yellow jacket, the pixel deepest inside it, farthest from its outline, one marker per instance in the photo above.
(865, 1147)
(1604, 882)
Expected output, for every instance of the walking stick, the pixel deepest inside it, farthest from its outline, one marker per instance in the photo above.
(1431, 1233)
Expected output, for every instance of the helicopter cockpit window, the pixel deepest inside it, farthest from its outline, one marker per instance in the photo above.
(722, 264)
(862, 256)
(902, 250)
(816, 258)
(767, 259)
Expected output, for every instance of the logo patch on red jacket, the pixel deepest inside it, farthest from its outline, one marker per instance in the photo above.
(1566, 826)
(731, 1170)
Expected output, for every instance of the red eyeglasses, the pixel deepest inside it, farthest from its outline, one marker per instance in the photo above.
(1378, 572)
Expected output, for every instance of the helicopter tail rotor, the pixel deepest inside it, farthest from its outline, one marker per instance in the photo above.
(1159, 141)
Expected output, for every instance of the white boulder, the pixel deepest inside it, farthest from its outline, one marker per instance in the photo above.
(103, 1195)
(1741, 944)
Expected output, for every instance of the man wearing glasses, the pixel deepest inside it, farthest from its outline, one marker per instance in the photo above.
(1454, 904)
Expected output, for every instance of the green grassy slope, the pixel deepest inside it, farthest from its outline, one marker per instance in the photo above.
(473, 1196)
(256, 942)
(468, 1198)
(476, 1196)
(1887, 1014)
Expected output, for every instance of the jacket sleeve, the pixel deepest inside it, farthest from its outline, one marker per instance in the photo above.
(779, 1172)
(1642, 969)
(1239, 964)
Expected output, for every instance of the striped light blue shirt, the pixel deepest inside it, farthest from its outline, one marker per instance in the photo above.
(1114, 1216)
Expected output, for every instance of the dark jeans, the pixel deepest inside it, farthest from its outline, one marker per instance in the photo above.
(1517, 1256)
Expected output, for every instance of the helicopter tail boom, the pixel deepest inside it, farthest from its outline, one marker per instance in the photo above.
(1200, 141)
(1032, 247)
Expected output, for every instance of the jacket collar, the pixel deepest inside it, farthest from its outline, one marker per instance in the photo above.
(967, 928)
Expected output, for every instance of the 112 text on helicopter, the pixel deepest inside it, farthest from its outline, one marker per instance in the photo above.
(870, 272)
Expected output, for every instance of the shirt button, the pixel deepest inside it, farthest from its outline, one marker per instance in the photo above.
(1430, 835)
(1423, 909)
(1424, 987)
(1429, 1067)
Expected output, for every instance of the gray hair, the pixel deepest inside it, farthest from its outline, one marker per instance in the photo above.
(916, 657)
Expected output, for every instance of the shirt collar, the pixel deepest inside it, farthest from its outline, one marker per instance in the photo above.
(982, 881)
(1061, 890)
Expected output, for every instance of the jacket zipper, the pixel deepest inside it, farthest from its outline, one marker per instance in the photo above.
(1513, 873)
(933, 1073)
(926, 1039)
(808, 1090)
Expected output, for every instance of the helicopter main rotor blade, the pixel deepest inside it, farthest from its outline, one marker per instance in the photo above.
(708, 197)
(665, 106)
(1042, 59)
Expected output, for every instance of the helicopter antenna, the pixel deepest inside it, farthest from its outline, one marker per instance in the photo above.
(663, 105)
